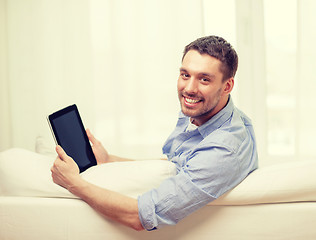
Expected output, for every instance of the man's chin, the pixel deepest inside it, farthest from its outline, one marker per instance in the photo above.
(189, 113)
(198, 115)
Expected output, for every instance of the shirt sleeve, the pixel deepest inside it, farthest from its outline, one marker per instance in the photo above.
(209, 172)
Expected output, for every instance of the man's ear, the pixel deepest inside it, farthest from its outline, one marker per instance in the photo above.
(229, 85)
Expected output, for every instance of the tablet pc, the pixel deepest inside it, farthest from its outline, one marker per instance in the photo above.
(69, 132)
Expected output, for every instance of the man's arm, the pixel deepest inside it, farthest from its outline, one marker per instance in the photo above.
(113, 205)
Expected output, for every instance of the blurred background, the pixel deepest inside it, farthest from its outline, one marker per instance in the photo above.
(118, 60)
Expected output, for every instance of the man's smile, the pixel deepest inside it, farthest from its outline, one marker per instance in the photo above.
(191, 102)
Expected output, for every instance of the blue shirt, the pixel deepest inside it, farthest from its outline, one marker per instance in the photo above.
(210, 160)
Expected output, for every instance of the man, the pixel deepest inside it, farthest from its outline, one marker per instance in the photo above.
(213, 146)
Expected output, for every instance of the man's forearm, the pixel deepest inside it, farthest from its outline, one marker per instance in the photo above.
(111, 204)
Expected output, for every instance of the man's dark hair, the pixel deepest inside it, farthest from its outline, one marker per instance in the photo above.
(218, 48)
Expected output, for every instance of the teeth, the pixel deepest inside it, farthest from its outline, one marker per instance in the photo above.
(190, 100)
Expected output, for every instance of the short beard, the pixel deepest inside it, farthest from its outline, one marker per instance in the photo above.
(204, 113)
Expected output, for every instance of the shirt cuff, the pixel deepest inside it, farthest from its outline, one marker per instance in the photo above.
(146, 212)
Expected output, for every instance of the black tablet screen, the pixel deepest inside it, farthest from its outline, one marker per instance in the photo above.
(70, 134)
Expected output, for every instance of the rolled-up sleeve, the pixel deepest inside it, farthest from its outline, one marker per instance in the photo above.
(176, 198)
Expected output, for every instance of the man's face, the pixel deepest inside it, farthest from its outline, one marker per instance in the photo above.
(201, 91)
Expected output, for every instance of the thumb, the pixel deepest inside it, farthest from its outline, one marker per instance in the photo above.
(61, 153)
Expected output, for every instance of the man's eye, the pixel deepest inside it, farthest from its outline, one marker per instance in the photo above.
(185, 75)
(206, 80)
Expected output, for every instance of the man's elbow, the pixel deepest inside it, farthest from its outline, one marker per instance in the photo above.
(133, 223)
(137, 226)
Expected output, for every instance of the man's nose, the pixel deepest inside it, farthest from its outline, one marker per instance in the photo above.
(191, 86)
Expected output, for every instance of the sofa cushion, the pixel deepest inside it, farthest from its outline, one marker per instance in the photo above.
(25, 173)
(285, 182)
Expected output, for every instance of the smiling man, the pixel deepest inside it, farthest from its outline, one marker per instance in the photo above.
(213, 146)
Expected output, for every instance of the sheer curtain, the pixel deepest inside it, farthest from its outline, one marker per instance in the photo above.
(137, 51)
(5, 125)
(305, 96)
(276, 80)
(47, 66)
(118, 61)
(290, 81)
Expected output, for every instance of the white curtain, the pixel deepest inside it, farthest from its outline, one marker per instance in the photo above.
(118, 60)
(5, 124)
(48, 65)
(137, 51)
(306, 89)
(290, 79)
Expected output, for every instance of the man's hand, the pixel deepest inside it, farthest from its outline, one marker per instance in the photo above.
(65, 171)
(99, 151)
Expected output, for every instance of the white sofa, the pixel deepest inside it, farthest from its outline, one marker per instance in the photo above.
(275, 202)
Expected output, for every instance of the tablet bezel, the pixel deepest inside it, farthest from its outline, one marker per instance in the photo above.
(66, 110)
